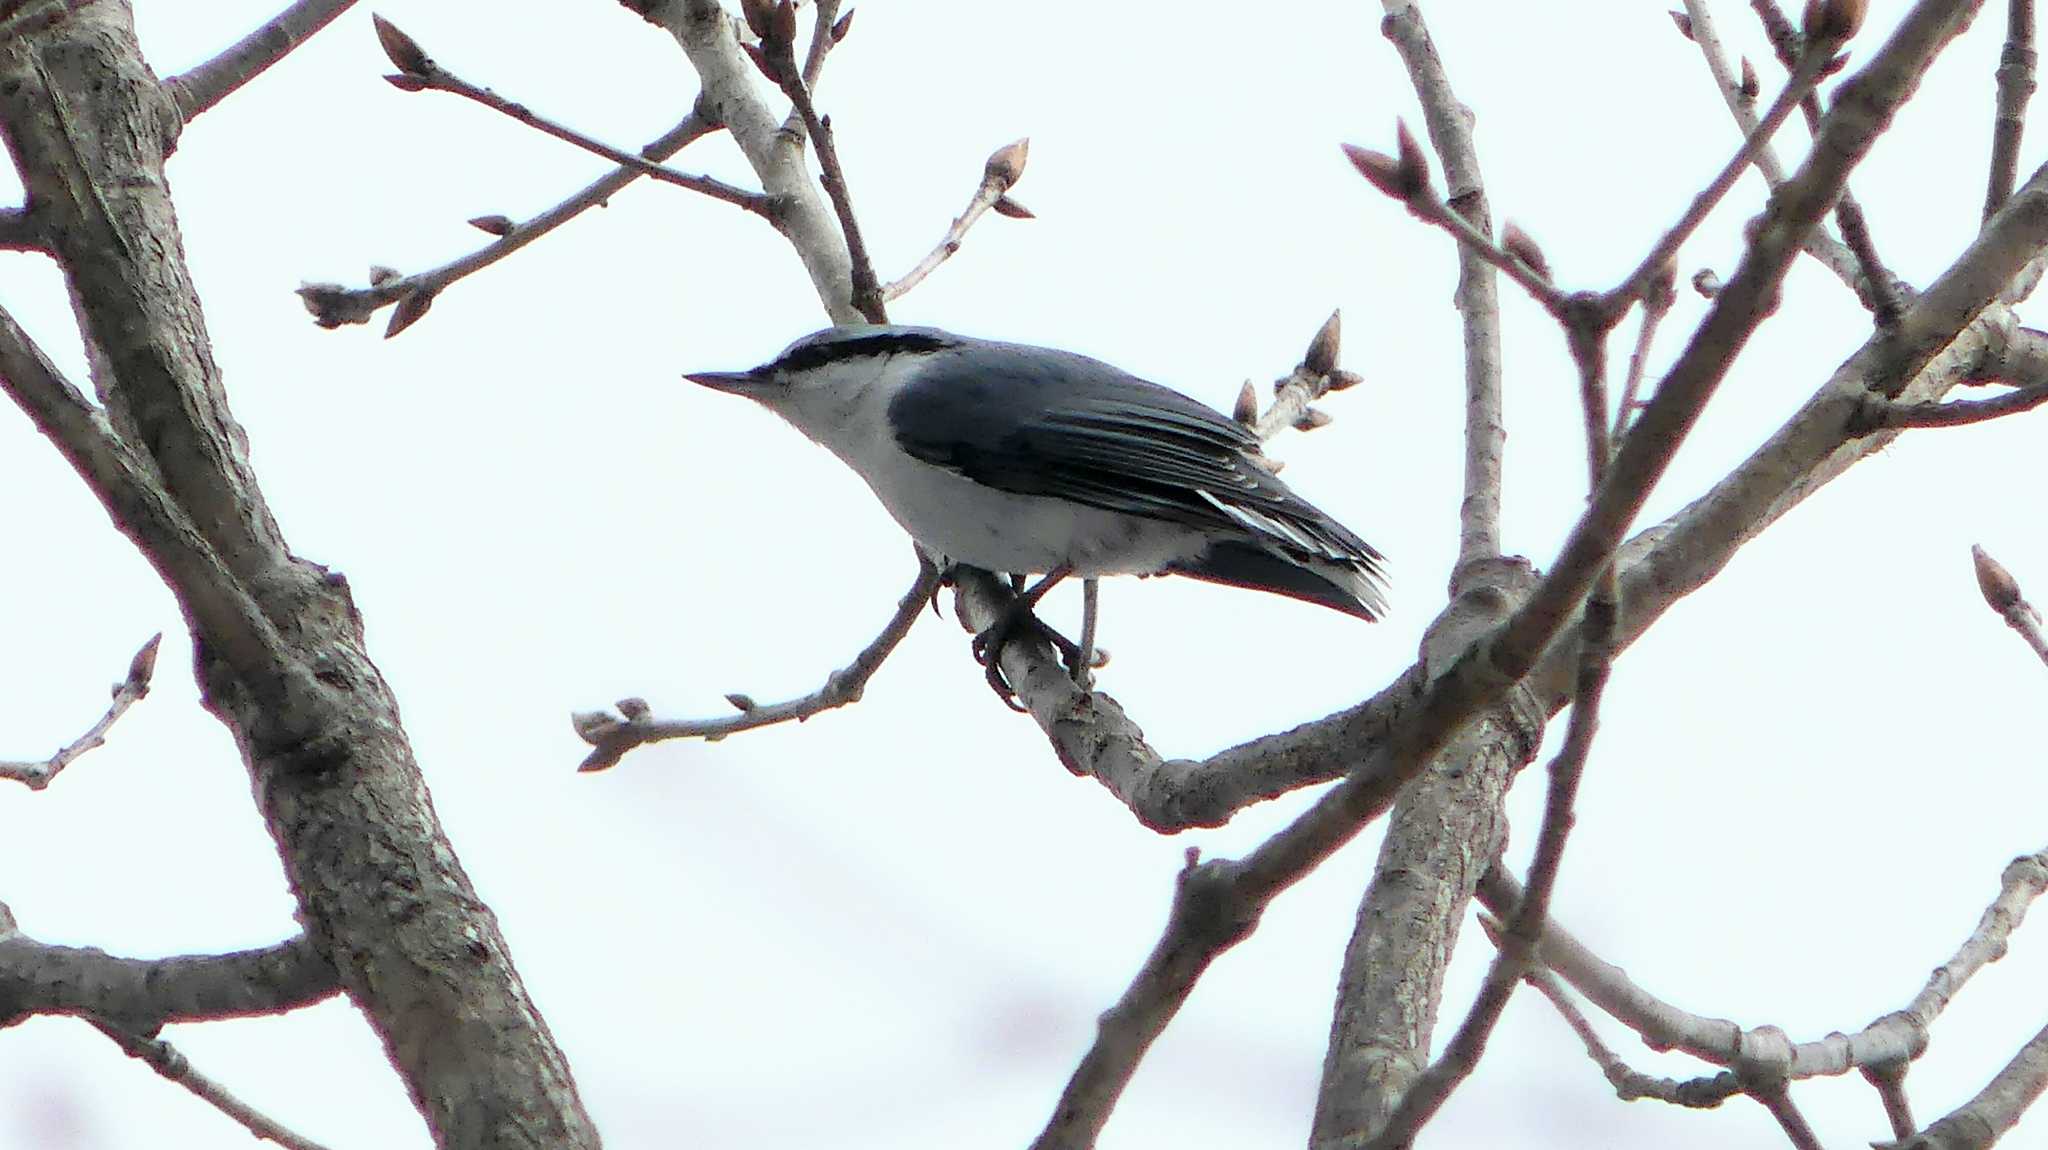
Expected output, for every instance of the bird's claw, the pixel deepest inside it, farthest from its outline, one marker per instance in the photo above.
(988, 651)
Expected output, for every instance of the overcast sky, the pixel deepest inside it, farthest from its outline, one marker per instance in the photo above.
(894, 925)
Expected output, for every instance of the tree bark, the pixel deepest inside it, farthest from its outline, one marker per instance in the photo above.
(380, 890)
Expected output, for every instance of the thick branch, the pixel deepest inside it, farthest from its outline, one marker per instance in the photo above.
(143, 994)
(213, 81)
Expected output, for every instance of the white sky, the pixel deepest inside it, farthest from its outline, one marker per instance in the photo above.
(894, 925)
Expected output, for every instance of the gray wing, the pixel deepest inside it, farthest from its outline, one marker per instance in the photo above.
(1112, 441)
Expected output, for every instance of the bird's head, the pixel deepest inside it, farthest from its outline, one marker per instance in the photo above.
(826, 369)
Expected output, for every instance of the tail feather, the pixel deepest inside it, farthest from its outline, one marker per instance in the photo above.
(1352, 588)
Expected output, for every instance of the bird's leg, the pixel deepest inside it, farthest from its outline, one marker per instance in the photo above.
(1082, 665)
(988, 646)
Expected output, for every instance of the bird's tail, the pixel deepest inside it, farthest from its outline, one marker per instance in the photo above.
(1355, 587)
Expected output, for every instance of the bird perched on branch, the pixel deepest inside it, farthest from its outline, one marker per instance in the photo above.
(1028, 460)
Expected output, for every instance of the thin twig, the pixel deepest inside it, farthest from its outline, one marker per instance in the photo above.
(1879, 288)
(1629, 1084)
(333, 305)
(128, 692)
(202, 87)
(419, 72)
(2002, 593)
(1809, 72)
(1890, 1083)
(1881, 414)
(1824, 248)
(823, 38)
(1449, 124)
(612, 735)
(172, 1064)
(998, 175)
(1778, 1100)
(1656, 305)
(2015, 88)
(866, 289)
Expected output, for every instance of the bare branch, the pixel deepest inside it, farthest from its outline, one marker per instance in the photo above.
(1478, 300)
(19, 233)
(1629, 1084)
(1978, 1123)
(613, 736)
(333, 305)
(128, 692)
(172, 1064)
(778, 61)
(1004, 168)
(1811, 69)
(1889, 1081)
(419, 72)
(1524, 926)
(2015, 88)
(2002, 593)
(1778, 1100)
(143, 994)
(1762, 1054)
(1888, 415)
(208, 84)
(233, 624)
(1657, 303)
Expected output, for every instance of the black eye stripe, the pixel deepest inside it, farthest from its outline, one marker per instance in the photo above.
(882, 343)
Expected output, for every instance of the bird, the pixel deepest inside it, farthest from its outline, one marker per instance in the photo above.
(1035, 461)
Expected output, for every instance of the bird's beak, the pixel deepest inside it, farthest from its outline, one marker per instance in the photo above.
(732, 382)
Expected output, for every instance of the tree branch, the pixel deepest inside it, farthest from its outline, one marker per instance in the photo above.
(128, 692)
(1004, 168)
(418, 72)
(143, 994)
(201, 88)
(1477, 298)
(2002, 593)
(2015, 88)
(612, 737)
(1887, 415)
(172, 1064)
(1699, 28)
(333, 305)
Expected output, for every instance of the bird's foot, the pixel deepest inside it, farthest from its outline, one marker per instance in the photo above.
(1020, 621)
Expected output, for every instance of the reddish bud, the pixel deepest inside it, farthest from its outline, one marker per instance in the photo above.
(143, 665)
(1522, 246)
(1751, 87)
(1321, 358)
(410, 308)
(1246, 410)
(402, 50)
(763, 62)
(493, 225)
(406, 83)
(635, 709)
(1005, 165)
(1005, 206)
(740, 702)
(1684, 23)
(1312, 418)
(842, 26)
(1832, 21)
(2000, 589)
(1341, 379)
(760, 17)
